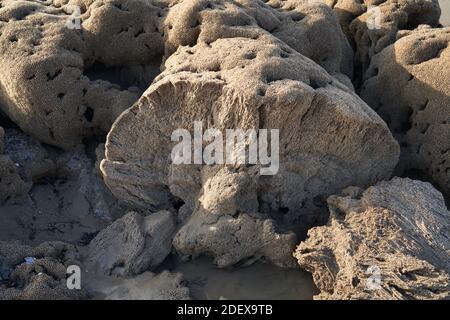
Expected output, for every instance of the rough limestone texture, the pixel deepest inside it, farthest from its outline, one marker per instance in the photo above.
(64, 79)
(310, 28)
(408, 84)
(133, 244)
(388, 242)
(41, 279)
(329, 138)
(226, 225)
(368, 34)
(46, 86)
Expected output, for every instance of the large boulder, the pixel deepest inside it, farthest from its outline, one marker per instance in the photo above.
(388, 242)
(49, 83)
(62, 82)
(408, 84)
(132, 244)
(328, 137)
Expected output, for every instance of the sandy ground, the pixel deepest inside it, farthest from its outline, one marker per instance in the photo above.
(445, 6)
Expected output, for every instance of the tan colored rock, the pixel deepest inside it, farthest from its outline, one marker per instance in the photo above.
(390, 242)
(62, 82)
(329, 138)
(307, 27)
(227, 226)
(408, 84)
(46, 85)
(132, 244)
(396, 15)
(369, 35)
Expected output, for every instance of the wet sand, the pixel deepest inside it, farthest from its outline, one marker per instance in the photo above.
(206, 282)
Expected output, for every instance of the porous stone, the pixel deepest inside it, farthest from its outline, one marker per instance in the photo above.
(47, 87)
(132, 244)
(372, 25)
(388, 242)
(310, 28)
(227, 226)
(329, 138)
(408, 84)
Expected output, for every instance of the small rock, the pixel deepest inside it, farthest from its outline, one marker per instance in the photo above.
(132, 244)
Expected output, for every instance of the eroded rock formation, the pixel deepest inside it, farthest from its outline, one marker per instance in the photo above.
(408, 84)
(133, 244)
(59, 74)
(388, 242)
(372, 25)
(44, 86)
(328, 137)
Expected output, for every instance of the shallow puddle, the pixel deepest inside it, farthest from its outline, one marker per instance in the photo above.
(258, 281)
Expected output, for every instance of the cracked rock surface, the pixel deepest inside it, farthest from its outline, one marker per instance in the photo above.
(397, 230)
